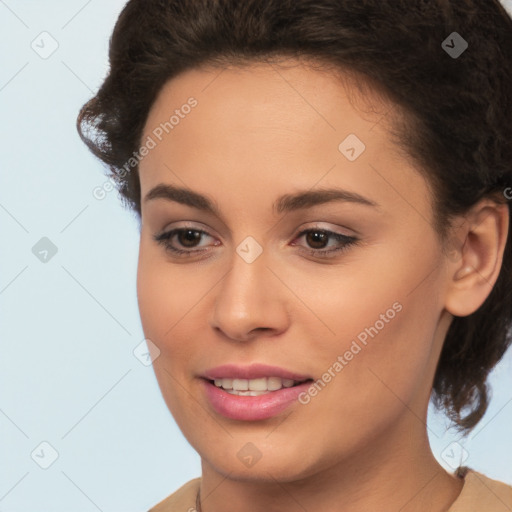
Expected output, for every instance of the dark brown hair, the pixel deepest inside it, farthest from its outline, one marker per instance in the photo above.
(457, 123)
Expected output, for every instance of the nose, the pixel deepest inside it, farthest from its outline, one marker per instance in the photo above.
(250, 300)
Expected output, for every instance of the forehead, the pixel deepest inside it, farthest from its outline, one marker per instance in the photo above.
(293, 97)
(262, 127)
(276, 110)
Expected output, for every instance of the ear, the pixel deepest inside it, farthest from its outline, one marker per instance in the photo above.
(475, 256)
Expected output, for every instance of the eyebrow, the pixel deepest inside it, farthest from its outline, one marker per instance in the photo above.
(286, 203)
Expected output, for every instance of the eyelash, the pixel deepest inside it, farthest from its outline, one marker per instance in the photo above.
(165, 240)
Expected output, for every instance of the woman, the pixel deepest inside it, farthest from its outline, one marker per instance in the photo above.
(325, 244)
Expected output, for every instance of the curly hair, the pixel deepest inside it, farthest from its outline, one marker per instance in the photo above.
(457, 123)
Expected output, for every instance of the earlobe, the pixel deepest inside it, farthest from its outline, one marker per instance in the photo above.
(474, 272)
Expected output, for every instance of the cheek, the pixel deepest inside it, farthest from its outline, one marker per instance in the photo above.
(164, 302)
(162, 295)
(374, 330)
(159, 310)
(376, 381)
(154, 303)
(171, 300)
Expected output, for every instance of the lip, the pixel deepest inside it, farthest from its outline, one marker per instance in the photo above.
(252, 408)
(253, 371)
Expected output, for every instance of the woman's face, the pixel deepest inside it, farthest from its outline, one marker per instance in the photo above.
(362, 315)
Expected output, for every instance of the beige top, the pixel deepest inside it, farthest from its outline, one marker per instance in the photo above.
(479, 494)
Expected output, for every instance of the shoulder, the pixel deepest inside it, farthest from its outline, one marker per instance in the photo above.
(479, 494)
(182, 500)
(482, 494)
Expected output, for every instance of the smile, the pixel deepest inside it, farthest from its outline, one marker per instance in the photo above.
(252, 405)
(254, 387)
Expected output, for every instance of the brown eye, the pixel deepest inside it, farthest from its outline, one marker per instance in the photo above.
(318, 239)
(187, 239)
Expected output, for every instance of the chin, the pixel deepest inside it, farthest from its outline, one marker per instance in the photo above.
(250, 461)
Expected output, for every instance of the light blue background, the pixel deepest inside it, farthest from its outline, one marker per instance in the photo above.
(69, 326)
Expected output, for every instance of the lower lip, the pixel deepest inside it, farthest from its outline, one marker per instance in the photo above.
(251, 408)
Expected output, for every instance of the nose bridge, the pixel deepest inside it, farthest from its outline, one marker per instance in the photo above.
(248, 297)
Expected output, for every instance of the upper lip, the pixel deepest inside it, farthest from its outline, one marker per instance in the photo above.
(253, 371)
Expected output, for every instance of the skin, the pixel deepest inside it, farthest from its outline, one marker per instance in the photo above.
(257, 133)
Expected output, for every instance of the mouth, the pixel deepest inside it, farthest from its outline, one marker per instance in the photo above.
(253, 392)
(255, 387)
(239, 400)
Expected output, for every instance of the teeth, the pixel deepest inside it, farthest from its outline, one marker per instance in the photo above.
(274, 383)
(240, 384)
(227, 383)
(254, 387)
(256, 384)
